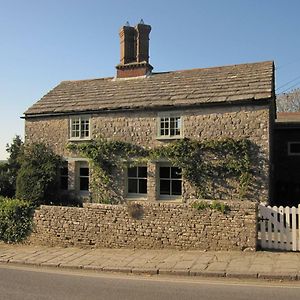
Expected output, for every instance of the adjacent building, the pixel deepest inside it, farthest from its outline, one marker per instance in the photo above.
(286, 159)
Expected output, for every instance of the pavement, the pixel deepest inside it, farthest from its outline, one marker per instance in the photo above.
(233, 264)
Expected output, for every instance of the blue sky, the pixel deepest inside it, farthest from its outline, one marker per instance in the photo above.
(45, 42)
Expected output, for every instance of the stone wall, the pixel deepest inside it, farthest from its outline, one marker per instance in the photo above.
(161, 225)
(140, 127)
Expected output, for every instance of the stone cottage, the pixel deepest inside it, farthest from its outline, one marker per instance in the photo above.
(153, 109)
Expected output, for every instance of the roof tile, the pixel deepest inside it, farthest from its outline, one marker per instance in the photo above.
(190, 87)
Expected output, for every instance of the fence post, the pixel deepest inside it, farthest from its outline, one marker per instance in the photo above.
(294, 229)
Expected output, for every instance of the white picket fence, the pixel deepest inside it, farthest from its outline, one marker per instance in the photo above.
(279, 227)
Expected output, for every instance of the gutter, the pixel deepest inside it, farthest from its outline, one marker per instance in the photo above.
(249, 102)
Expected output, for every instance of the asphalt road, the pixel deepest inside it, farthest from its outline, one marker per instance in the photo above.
(28, 283)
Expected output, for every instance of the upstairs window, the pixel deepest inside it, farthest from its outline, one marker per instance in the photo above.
(80, 128)
(170, 127)
(137, 180)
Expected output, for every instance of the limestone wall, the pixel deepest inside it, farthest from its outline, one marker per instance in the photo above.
(140, 127)
(161, 225)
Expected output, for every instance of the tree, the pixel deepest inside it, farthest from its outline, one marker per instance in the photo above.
(15, 150)
(6, 188)
(9, 169)
(289, 102)
(37, 178)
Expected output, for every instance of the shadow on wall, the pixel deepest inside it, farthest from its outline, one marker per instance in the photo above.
(258, 189)
(226, 185)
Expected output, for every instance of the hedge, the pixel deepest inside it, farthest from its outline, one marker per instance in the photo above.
(16, 219)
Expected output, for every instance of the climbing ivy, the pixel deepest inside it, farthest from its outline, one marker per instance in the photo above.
(201, 163)
(204, 162)
(105, 157)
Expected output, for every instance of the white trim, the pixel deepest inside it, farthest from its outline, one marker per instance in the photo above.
(289, 149)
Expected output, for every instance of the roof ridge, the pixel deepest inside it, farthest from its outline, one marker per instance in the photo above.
(175, 71)
(90, 79)
(215, 67)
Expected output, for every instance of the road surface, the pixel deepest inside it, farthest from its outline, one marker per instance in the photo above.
(20, 283)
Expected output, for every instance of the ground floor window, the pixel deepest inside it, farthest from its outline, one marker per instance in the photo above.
(293, 148)
(170, 181)
(64, 177)
(84, 176)
(137, 180)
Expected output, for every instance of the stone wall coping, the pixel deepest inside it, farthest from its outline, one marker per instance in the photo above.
(231, 203)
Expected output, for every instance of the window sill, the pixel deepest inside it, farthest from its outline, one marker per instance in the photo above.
(136, 197)
(83, 193)
(170, 200)
(163, 138)
(79, 140)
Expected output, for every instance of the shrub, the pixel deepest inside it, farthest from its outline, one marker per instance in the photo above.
(214, 205)
(6, 187)
(15, 219)
(64, 200)
(10, 168)
(37, 178)
(135, 210)
(220, 206)
(200, 205)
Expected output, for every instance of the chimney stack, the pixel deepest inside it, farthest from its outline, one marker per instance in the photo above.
(134, 46)
(142, 42)
(127, 45)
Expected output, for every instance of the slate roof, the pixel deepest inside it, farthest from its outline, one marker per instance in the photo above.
(226, 84)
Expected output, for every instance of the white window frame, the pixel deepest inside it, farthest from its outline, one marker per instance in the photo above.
(136, 195)
(289, 149)
(80, 119)
(169, 116)
(168, 197)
